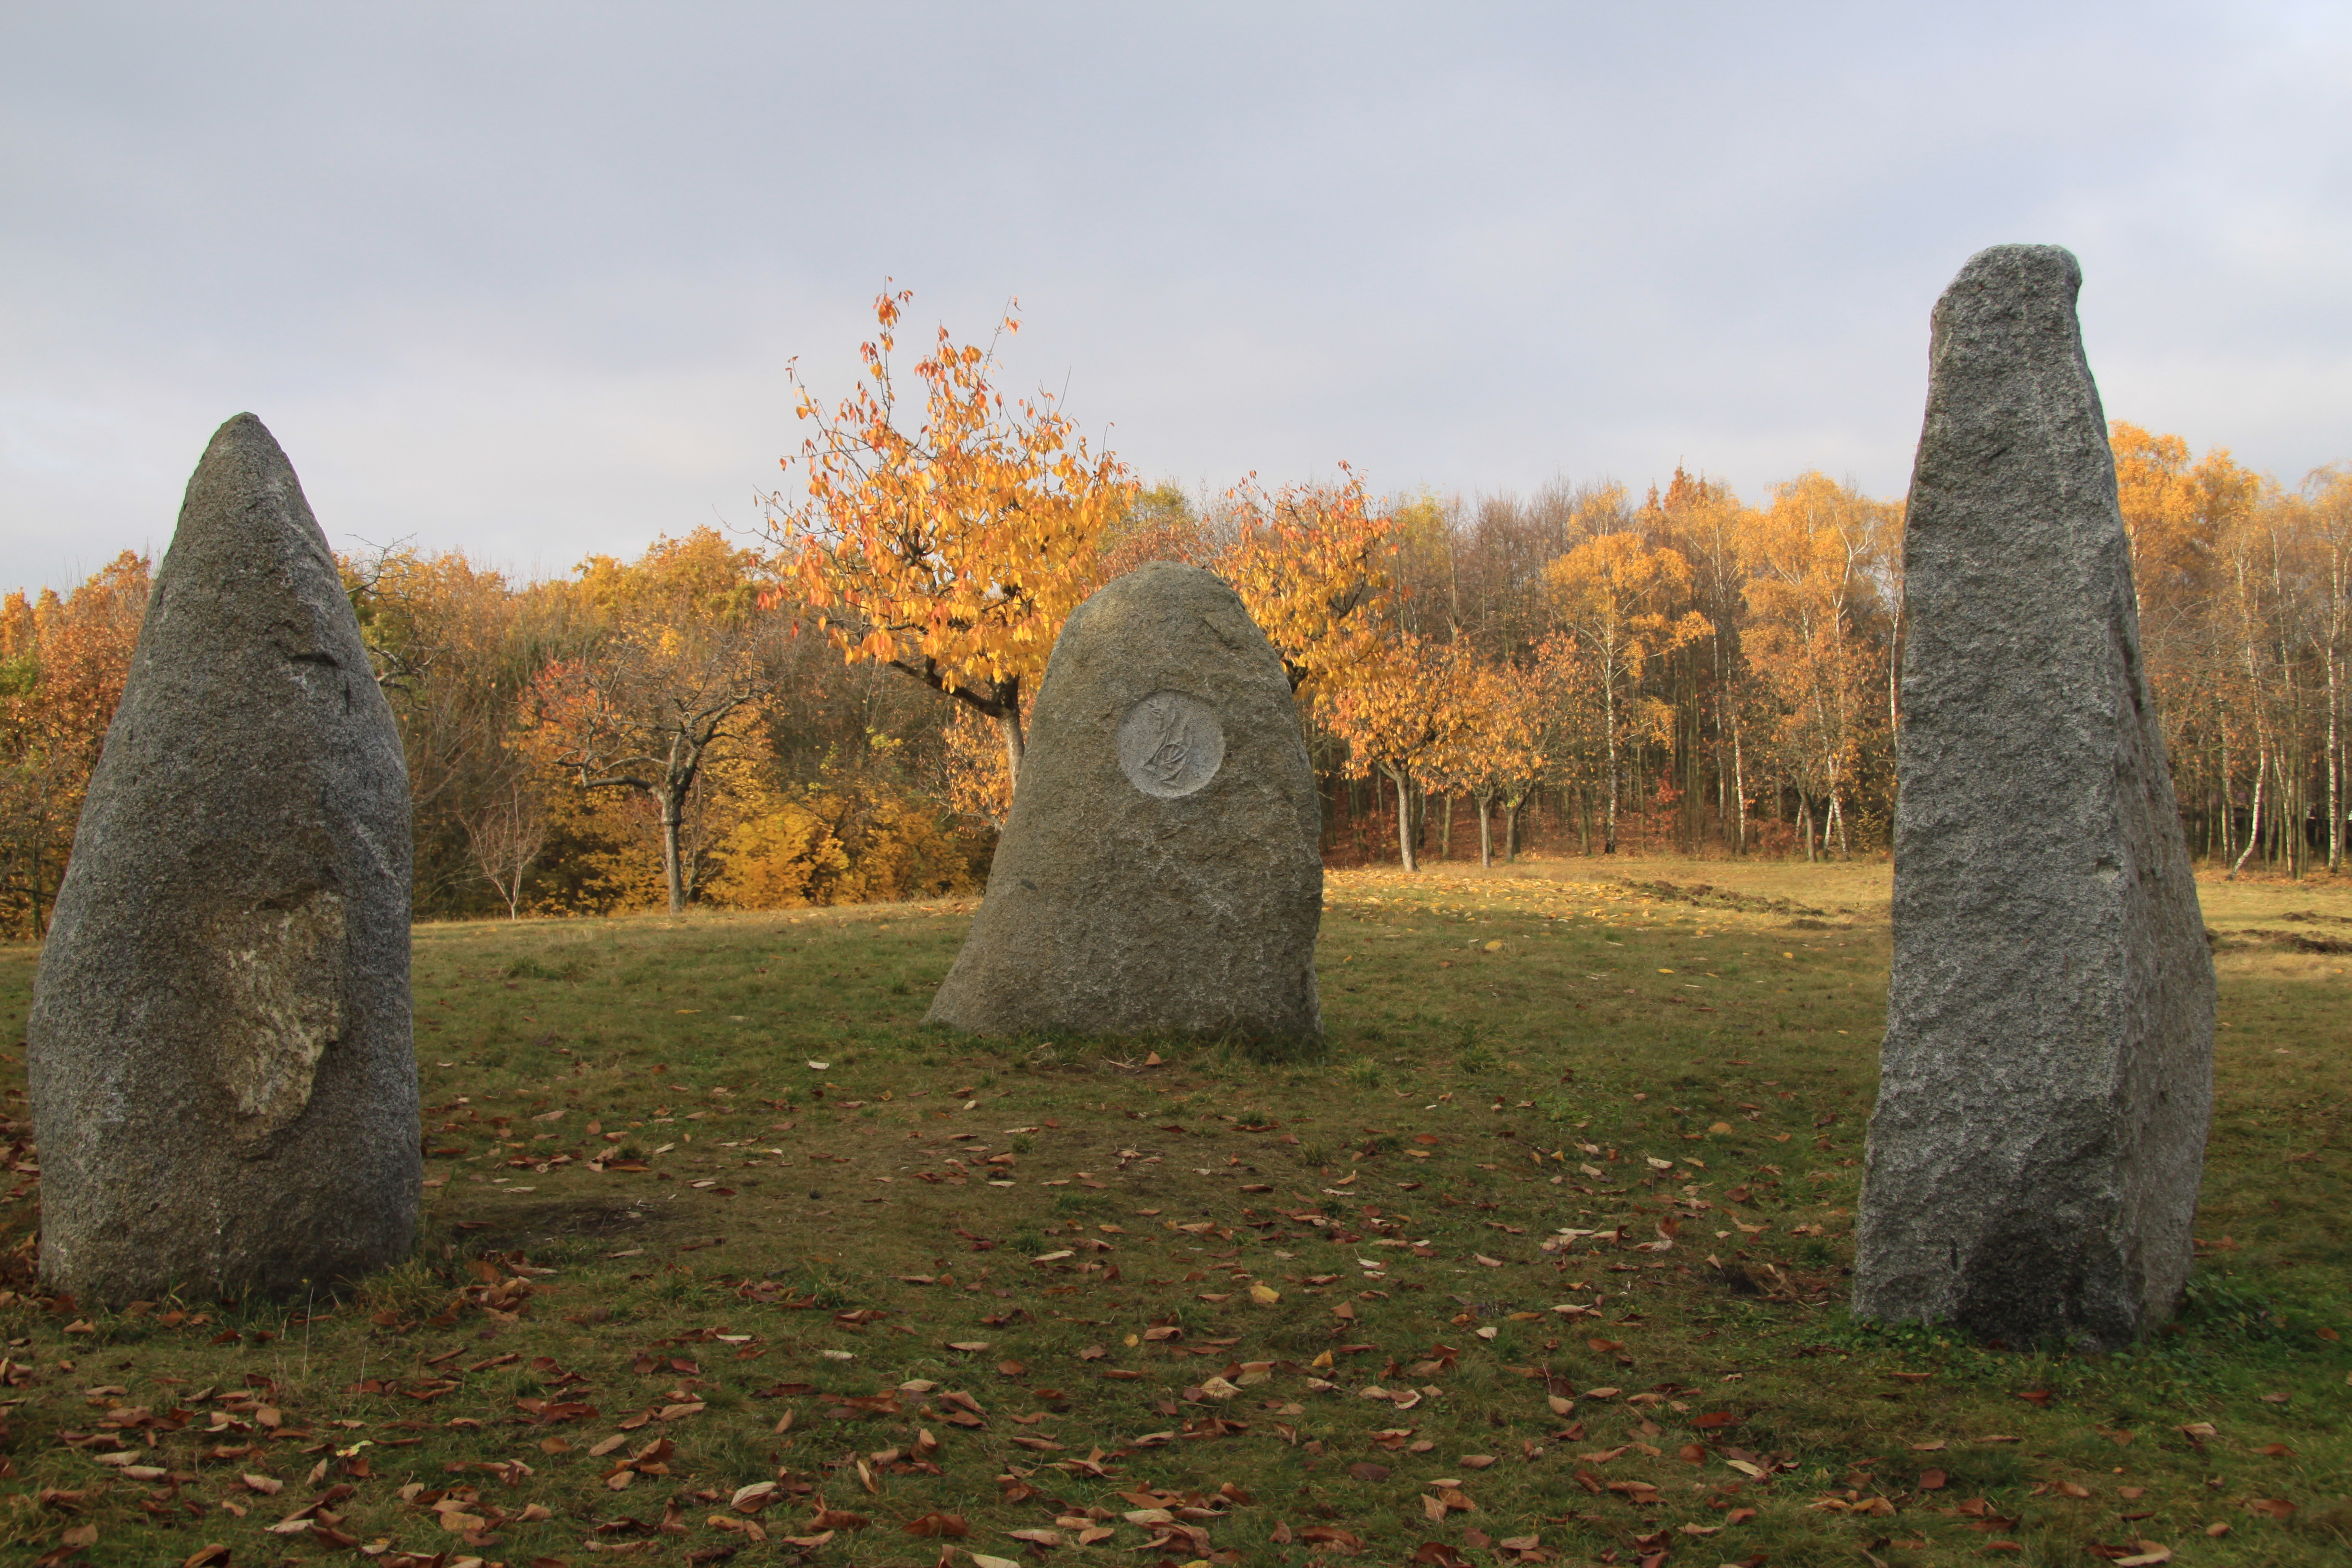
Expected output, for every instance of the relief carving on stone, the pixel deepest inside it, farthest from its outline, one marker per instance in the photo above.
(1171, 744)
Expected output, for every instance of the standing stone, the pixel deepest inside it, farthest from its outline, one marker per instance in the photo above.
(224, 1083)
(1162, 870)
(2047, 1076)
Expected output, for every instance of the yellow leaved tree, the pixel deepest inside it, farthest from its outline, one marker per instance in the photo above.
(1618, 599)
(63, 661)
(1315, 565)
(953, 552)
(1495, 749)
(669, 680)
(1816, 560)
(1403, 720)
(2174, 530)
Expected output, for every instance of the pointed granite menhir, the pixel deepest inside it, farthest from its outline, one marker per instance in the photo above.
(1162, 870)
(224, 1082)
(2047, 1077)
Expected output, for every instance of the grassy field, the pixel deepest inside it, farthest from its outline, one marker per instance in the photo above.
(1543, 1259)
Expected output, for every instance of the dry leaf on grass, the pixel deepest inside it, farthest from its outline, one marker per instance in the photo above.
(952, 1526)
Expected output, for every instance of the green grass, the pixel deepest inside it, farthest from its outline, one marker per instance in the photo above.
(1508, 1055)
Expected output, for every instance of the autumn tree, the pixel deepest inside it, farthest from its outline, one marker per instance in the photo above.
(63, 662)
(2219, 568)
(1401, 721)
(1494, 750)
(1494, 555)
(1621, 602)
(507, 830)
(1812, 598)
(671, 680)
(1316, 566)
(1158, 524)
(2327, 501)
(456, 648)
(2263, 599)
(974, 780)
(953, 552)
(2168, 521)
(1705, 523)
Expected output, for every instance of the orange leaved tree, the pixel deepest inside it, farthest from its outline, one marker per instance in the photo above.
(670, 679)
(1619, 601)
(953, 552)
(1401, 718)
(1814, 635)
(62, 665)
(2327, 500)
(1315, 565)
(1496, 748)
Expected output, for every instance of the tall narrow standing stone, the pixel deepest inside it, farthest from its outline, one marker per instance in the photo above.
(2048, 1070)
(1162, 870)
(223, 1078)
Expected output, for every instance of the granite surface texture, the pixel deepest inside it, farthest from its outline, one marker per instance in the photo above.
(223, 1079)
(2048, 1067)
(1161, 872)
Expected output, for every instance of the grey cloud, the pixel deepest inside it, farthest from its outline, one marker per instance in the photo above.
(525, 277)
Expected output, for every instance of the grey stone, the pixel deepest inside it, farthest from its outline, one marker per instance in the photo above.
(2047, 1076)
(1160, 873)
(224, 1081)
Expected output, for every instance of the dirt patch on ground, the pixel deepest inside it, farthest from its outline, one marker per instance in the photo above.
(1706, 897)
(2298, 942)
(528, 1226)
(2290, 941)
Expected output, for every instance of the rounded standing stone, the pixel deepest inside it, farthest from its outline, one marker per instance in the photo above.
(1162, 870)
(224, 1079)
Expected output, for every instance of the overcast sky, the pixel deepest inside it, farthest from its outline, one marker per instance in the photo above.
(525, 278)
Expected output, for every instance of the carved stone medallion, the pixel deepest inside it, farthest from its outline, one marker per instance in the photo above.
(1171, 744)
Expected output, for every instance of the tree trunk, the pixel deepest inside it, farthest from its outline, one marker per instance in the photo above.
(1739, 793)
(2229, 813)
(1609, 822)
(1486, 833)
(2335, 765)
(2292, 809)
(1511, 828)
(2254, 824)
(1895, 678)
(673, 809)
(1445, 830)
(1404, 818)
(1015, 747)
(40, 925)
